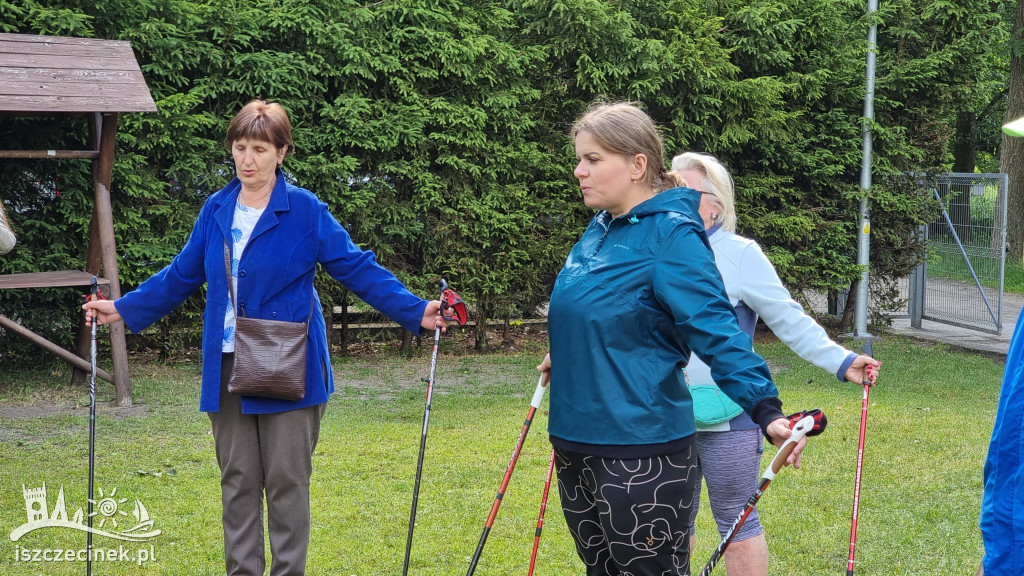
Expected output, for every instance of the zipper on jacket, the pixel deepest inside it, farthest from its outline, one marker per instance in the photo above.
(600, 241)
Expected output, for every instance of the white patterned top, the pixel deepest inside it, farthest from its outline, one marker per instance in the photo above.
(242, 226)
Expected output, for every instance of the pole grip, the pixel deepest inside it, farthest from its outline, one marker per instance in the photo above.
(799, 431)
(538, 393)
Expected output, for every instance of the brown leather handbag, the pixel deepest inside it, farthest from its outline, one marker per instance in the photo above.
(270, 355)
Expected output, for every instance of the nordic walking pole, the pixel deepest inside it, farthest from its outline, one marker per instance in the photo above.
(449, 299)
(860, 465)
(93, 295)
(800, 429)
(540, 517)
(538, 394)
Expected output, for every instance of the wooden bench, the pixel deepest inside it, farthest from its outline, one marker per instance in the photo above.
(62, 279)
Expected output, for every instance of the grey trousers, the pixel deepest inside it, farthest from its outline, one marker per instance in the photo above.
(257, 454)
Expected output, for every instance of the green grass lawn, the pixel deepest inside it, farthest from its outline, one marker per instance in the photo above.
(929, 423)
(1014, 276)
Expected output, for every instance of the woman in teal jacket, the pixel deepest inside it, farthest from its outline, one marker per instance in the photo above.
(638, 292)
(278, 234)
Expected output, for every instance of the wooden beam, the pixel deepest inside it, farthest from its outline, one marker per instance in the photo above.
(42, 39)
(11, 48)
(71, 76)
(141, 102)
(35, 60)
(59, 279)
(93, 259)
(45, 344)
(102, 173)
(58, 88)
(83, 154)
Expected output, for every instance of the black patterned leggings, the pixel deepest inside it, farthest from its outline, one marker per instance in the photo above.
(629, 517)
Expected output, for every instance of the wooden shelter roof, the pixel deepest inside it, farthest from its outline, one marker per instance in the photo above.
(52, 75)
(64, 77)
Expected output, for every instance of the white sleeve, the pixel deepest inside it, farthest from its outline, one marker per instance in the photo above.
(7, 239)
(764, 293)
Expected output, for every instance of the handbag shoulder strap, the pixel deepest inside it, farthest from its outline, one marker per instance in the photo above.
(231, 290)
(227, 271)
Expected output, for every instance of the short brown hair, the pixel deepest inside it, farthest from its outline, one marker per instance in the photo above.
(262, 120)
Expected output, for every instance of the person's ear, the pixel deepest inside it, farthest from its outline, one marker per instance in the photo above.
(638, 168)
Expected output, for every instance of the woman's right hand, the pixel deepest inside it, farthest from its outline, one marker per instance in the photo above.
(778, 431)
(545, 367)
(863, 370)
(103, 310)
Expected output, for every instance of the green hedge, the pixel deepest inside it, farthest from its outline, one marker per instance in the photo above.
(437, 130)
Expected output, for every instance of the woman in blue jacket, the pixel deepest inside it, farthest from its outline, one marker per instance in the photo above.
(638, 293)
(278, 234)
(1002, 502)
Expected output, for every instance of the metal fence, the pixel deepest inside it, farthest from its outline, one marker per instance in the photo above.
(881, 307)
(961, 282)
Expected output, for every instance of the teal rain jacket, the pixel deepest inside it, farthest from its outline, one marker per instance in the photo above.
(636, 295)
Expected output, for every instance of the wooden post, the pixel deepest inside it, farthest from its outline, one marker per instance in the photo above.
(92, 262)
(103, 169)
(78, 363)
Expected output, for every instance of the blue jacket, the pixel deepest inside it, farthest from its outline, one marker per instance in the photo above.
(636, 295)
(275, 280)
(1002, 502)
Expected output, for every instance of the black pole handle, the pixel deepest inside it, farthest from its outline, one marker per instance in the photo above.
(94, 291)
(443, 286)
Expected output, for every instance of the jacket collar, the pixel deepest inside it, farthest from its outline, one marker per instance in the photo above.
(683, 201)
(225, 212)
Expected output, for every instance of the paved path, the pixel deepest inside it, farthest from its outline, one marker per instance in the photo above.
(965, 338)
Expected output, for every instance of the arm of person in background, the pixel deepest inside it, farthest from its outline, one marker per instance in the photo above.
(763, 291)
(7, 238)
(692, 289)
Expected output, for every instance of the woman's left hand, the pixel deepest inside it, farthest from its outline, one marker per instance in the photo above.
(778, 431)
(432, 318)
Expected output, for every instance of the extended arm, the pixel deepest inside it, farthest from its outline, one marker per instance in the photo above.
(763, 291)
(359, 271)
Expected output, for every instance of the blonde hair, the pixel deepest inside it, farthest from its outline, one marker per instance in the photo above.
(717, 182)
(623, 128)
